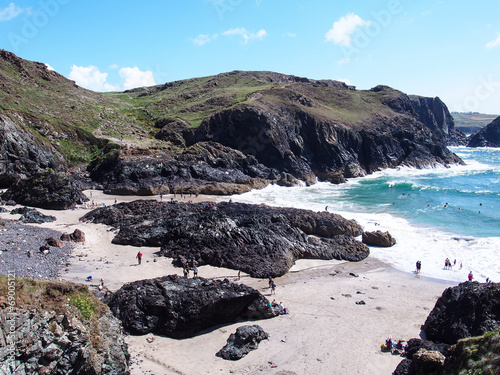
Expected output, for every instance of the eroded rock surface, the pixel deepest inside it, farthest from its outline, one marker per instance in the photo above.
(181, 307)
(257, 239)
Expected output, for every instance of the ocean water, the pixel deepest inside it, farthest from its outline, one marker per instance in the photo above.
(434, 214)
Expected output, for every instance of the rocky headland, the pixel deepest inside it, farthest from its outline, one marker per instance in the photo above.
(223, 134)
(259, 240)
(489, 136)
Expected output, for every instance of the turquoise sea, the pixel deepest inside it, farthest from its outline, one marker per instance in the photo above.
(434, 214)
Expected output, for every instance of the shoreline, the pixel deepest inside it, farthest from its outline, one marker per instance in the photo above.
(328, 327)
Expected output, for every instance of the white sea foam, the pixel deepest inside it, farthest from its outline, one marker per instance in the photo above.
(427, 244)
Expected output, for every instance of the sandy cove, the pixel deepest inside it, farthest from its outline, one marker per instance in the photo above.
(326, 329)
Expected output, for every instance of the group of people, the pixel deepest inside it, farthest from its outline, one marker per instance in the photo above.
(448, 265)
(281, 309)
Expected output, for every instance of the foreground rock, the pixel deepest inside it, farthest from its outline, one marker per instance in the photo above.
(181, 307)
(259, 240)
(469, 309)
(239, 344)
(489, 136)
(462, 333)
(378, 238)
(51, 335)
(46, 190)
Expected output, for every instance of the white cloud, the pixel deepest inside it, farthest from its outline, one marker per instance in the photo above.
(91, 78)
(247, 35)
(343, 61)
(49, 67)
(12, 11)
(204, 38)
(493, 43)
(114, 66)
(133, 77)
(343, 28)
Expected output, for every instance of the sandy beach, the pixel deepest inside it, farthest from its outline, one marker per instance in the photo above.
(328, 328)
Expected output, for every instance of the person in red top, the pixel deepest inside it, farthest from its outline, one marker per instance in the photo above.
(139, 257)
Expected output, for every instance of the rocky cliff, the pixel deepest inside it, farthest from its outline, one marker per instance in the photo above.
(489, 136)
(222, 134)
(58, 328)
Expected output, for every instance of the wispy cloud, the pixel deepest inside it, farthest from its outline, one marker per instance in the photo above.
(493, 43)
(342, 29)
(245, 34)
(12, 11)
(204, 39)
(92, 78)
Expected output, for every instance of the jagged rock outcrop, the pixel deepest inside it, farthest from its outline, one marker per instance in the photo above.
(289, 139)
(489, 136)
(256, 239)
(20, 155)
(181, 307)
(242, 342)
(46, 189)
(469, 309)
(378, 238)
(51, 343)
(207, 168)
(32, 216)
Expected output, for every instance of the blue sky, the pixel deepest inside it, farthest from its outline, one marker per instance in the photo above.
(445, 48)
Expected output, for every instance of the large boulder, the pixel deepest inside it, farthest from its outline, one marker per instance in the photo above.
(46, 189)
(378, 238)
(32, 216)
(240, 343)
(489, 136)
(180, 307)
(469, 309)
(257, 239)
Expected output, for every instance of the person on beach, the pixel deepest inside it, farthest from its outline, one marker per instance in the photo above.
(471, 276)
(139, 257)
(418, 266)
(89, 278)
(273, 288)
(102, 283)
(186, 272)
(195, 271)
(270, 281)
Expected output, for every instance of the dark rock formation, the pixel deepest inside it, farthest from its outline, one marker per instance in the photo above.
(20, 155)
(46, 190)
(289, 139)
(414, 345)
(256, 239)
(240, 343)
(76, 236)
(378, 238)
(434, 114)
(489, 136)
(49, 343)
(32, 216)
(469, 309)
(207, 168)
(181, 307)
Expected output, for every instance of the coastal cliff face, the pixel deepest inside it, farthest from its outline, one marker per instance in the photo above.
(222, 134)
(489, 136)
